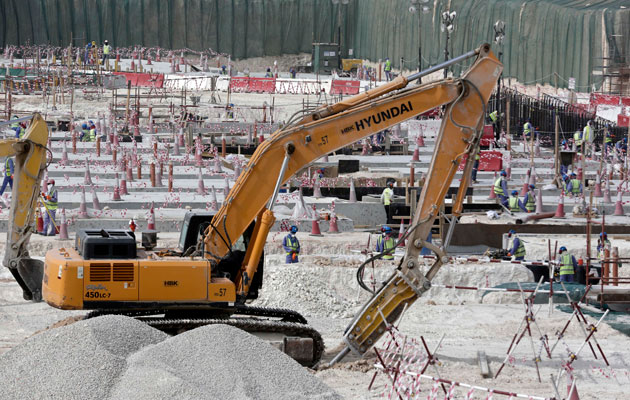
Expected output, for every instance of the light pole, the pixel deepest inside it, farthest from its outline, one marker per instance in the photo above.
(417, 5)
(448, 26)
(499, 36)
(343, 2)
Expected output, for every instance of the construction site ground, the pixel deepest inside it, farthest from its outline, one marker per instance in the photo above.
(323, 287)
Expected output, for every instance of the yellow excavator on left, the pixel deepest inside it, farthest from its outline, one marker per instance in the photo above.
(30, 154)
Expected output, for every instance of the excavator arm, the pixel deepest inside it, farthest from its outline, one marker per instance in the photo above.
(30, 161)
(459, 136)
(330, 128)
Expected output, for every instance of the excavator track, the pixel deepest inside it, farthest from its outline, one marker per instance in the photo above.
(286, 322)
(283, 314)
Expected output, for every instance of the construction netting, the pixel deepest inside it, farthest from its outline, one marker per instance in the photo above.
(546, 41)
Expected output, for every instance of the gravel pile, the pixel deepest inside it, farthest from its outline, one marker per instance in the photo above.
(78, 361)
(217, 362)
(115, 357)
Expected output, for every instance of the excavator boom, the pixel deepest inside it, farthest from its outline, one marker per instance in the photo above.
(30, 161)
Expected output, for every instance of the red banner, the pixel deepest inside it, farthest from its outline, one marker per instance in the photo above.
(488, 136)
(625, 101)
(490, 160)
(344, 87)
(239, 84)
(607, 99)
(144, 80)
(623, 120)
(262, 85)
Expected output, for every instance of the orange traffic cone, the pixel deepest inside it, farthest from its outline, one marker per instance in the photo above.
(332, 228)
(420, 140)
(87, 179)
(353, 192)
(560, 209)
(151, 219)
(95, 203)
(214, 204)
(201, 189)
(40, 222)
(598, 186)
(401, 232)
(619, 204)
(63, 230)
(82, 206)
(416, 155)
(116, 193)
(315, 227)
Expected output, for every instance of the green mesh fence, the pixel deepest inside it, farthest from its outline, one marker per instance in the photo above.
(543, 37)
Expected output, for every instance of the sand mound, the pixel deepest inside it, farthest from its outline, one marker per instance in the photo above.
(116, 357)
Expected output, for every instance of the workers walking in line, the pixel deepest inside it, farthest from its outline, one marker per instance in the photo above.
(602, 244)
(388, 69)
(386, 242)
(291, 246)
(516, 248)
(475, 168)
(8, 175)
(107, 49)
(51, 203)
(500, 188)
(386, 197)
(515, 204)
(530, 199)
(568, 265)
(574, 187)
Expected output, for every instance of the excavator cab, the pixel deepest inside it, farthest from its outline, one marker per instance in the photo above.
(191, 239)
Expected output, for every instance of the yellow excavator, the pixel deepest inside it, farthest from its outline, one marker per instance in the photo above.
(217, 267)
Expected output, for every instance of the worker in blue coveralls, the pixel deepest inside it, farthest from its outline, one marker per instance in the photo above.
(515, 246)
(291, 246)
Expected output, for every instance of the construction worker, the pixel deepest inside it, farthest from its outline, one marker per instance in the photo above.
(386, 242)
(18, 128)
(475, 168)
(622, 146)
(602, 244)
(565, 182)
(516, 248)
(268, 74)
(530, 199)
(528, 128)
(574, 186)
(577, 139)
(88, 50)
(388, 69)
(608, 141)
(515, 204)
(500, 188)
(386, 197)
(8, 175)
(494, 119)
(291, 245)
(106, 50)
(587, 137)
(50, 199)
(568, 265)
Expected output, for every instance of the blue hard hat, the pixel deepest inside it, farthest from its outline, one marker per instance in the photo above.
(573, 174)
(511, 232)
(563, 249)
(532, 187)
(603, 234)
(503, 173)
(294, 229)
(387, 229)
(84, 126)
(514, 192)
